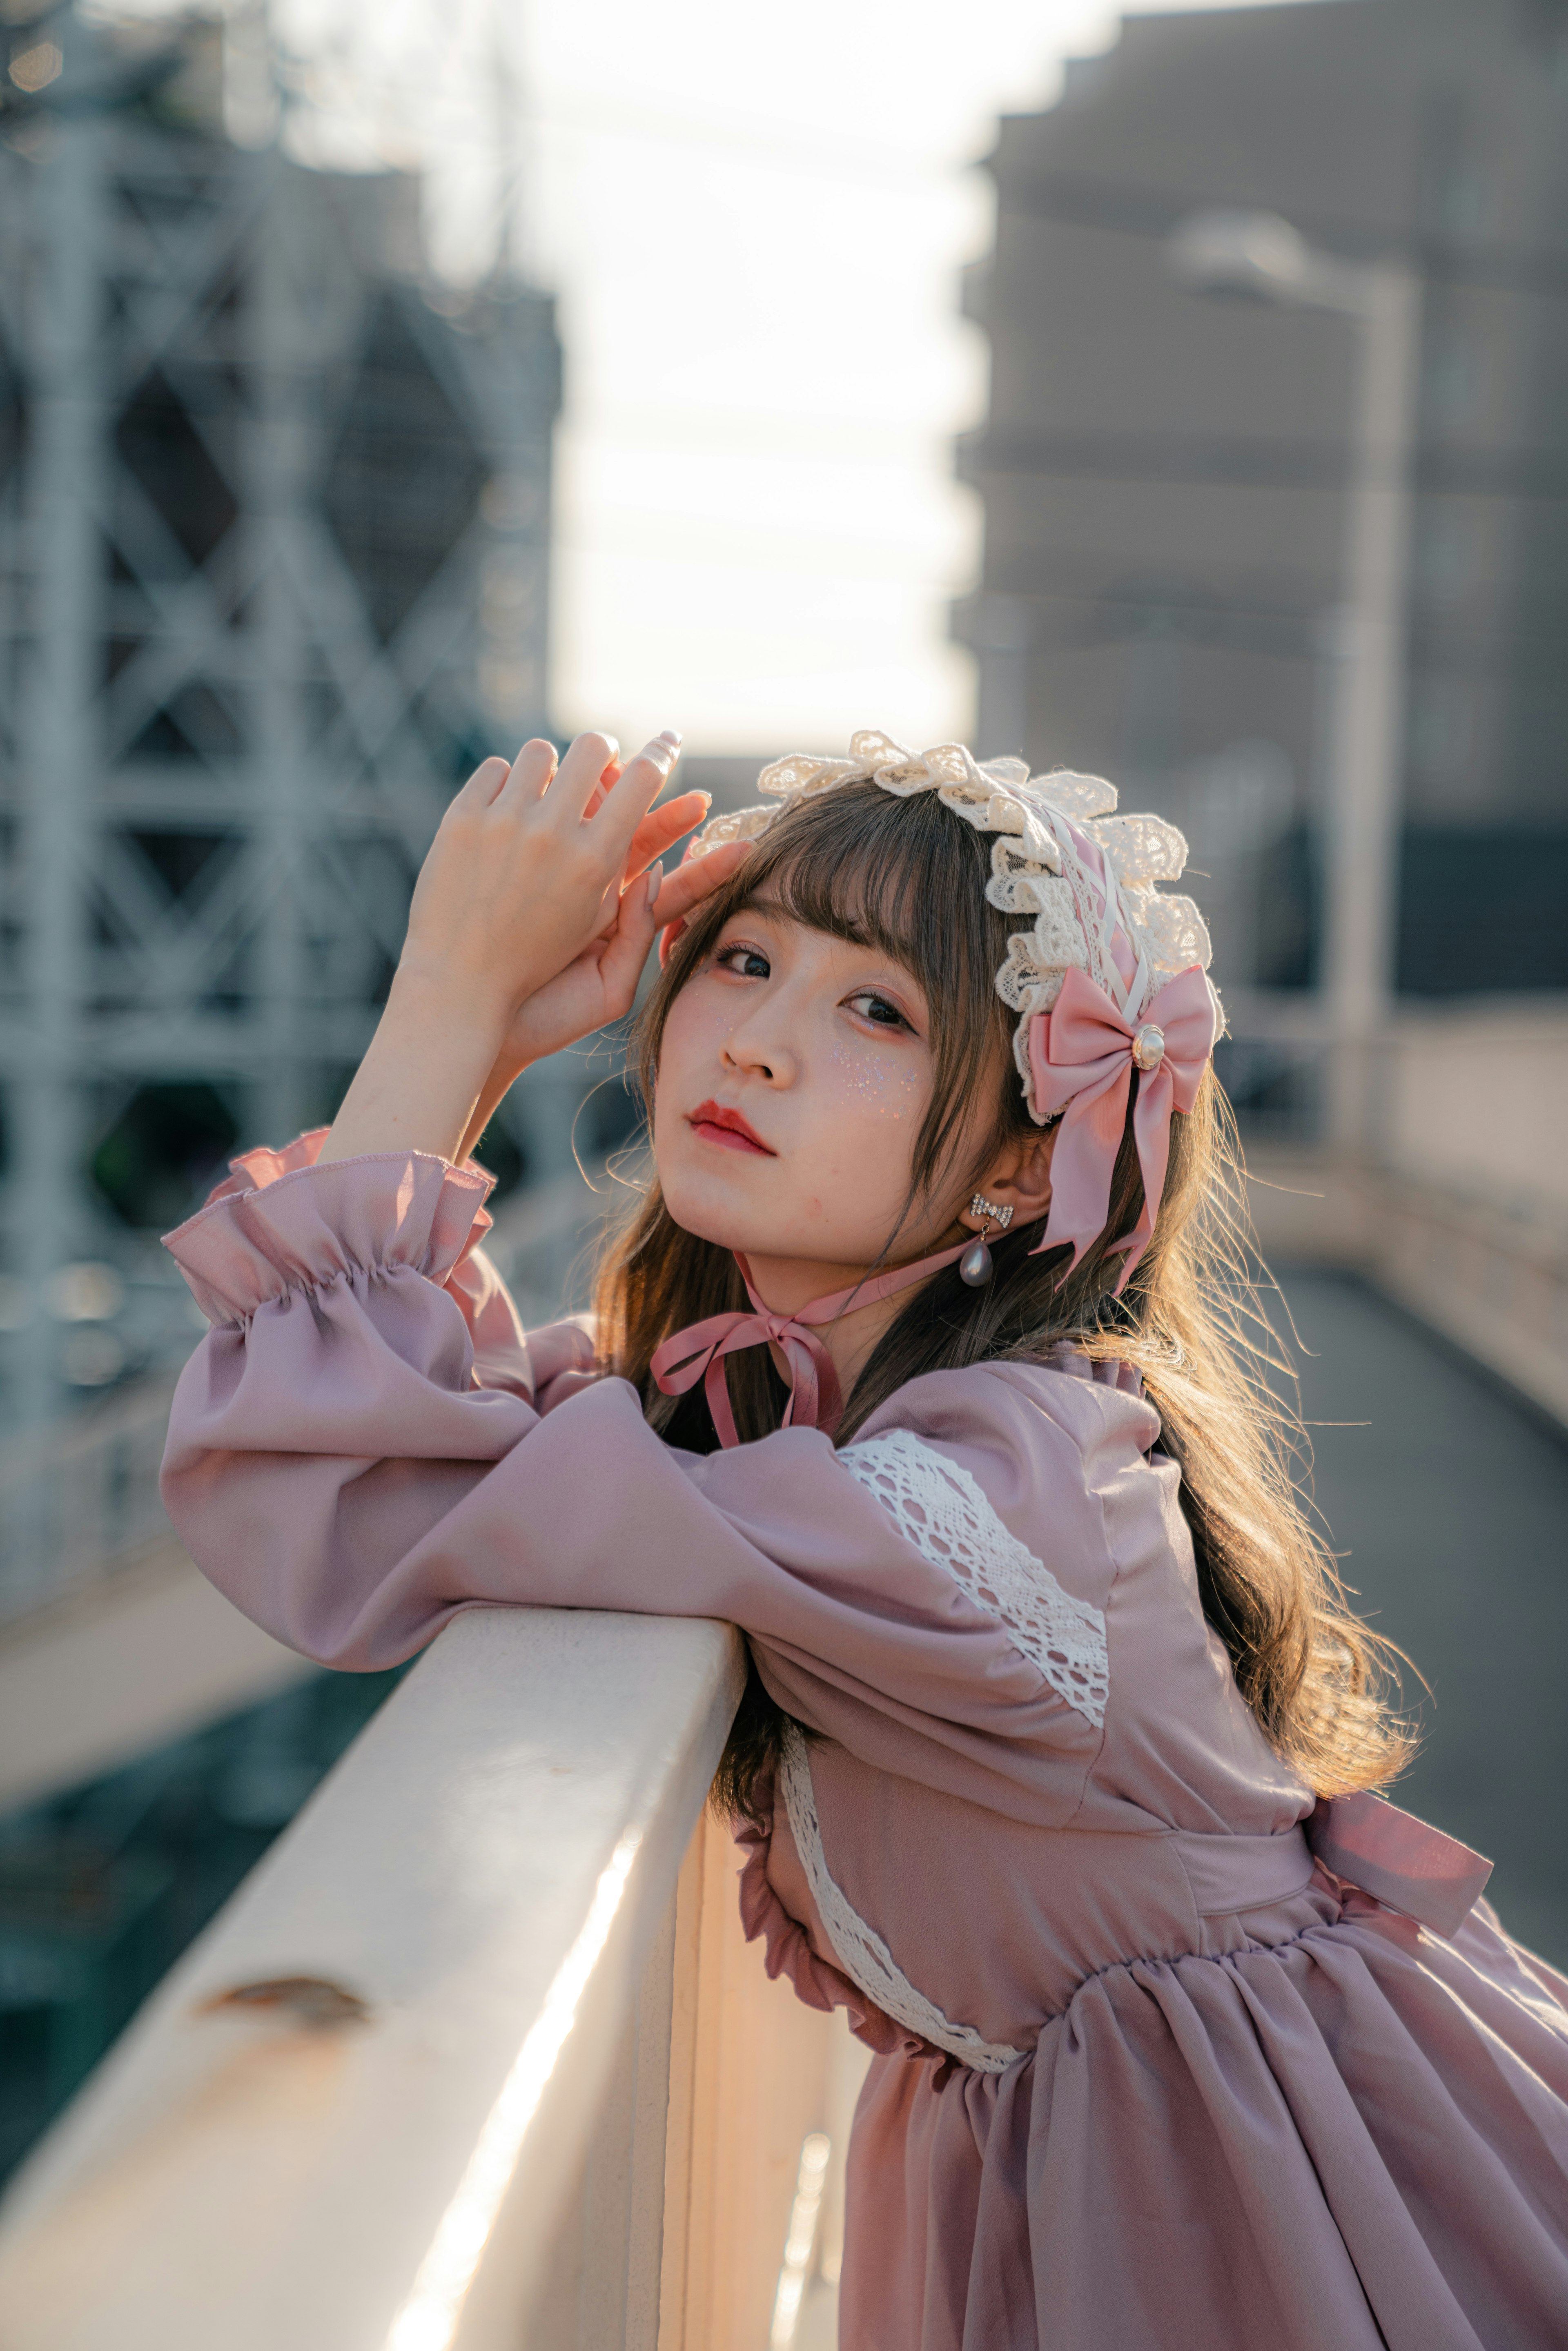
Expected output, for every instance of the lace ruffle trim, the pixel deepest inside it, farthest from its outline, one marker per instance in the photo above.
(787, 1952)
(861, 1953)
(937, 1507)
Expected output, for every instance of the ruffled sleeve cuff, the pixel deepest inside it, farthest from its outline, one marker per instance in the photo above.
(279, 1222)
(254, 1170)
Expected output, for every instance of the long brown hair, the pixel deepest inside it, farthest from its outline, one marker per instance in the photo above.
(907, 878)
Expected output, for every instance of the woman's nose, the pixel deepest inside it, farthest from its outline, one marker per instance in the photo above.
(755, 1047)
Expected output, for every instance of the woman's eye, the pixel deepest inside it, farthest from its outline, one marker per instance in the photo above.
(748, 963)
(877, 1009)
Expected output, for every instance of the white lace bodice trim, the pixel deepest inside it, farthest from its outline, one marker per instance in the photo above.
(860, 1950)
(937, 1507)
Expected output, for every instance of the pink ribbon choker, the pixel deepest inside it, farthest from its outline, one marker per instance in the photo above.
(815, 1401)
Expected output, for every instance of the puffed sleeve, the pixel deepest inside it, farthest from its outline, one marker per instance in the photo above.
(504, 1356)
(335, 1468)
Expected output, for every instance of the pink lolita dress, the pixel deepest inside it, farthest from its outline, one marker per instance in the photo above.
(1157, 2063)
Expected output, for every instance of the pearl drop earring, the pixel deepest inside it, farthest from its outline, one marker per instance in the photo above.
(975, 1265)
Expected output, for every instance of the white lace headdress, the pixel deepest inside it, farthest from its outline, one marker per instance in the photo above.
(1060, 855)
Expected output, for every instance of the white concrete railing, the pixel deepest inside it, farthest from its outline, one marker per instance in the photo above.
(1470, 1091)
(446, 2071)
(1494, 1283)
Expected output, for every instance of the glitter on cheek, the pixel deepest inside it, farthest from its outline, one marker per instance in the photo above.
(869, 1078)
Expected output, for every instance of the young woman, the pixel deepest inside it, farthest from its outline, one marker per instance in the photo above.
(1054, 1765)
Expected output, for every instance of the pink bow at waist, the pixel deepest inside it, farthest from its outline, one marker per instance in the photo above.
(1366, 1842)
(1082, 1053)
(1400, 1861)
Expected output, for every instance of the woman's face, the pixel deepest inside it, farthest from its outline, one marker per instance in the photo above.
(794, 1073)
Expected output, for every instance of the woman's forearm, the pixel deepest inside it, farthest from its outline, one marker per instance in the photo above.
(423, 1082)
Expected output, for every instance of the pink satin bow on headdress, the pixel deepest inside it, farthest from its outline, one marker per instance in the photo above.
(1082, 1056)
(815, 1402)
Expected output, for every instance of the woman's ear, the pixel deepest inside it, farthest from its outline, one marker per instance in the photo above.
(1019, 1178)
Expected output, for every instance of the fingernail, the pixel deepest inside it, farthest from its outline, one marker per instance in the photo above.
(670, 734)
(661, 753)
(655, 882)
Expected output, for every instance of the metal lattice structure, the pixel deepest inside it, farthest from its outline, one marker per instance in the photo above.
(273, 546)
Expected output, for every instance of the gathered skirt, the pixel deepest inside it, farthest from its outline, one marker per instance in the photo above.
(1356, 2137)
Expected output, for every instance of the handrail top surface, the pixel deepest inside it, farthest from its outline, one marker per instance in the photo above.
(505, 1832)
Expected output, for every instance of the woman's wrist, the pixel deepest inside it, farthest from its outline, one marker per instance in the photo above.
(457, 1007)
(424, 1072)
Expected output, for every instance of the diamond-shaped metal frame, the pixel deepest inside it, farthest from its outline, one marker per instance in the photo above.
(315, 756)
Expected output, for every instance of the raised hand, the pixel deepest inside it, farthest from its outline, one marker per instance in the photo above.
(528, 866)
(599, 985)
(528, 926)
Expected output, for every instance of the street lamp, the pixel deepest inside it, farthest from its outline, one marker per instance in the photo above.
(1262, 255)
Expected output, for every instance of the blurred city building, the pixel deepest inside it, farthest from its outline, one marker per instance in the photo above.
(1178, 491)
(1165, 477)
(274, 569)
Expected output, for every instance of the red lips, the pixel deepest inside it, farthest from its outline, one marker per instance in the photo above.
(727, 1129)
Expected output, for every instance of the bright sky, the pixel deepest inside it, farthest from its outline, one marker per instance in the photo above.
(755, 220)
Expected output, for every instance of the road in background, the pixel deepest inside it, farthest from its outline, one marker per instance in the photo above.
(1452, 1502)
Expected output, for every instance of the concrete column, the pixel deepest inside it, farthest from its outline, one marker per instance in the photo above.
(70, 424)
(1365, 769)
(1001, 644)
(277, 491)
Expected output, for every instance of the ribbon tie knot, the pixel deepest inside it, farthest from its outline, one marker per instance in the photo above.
(815, 1398)
(699, 1352)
